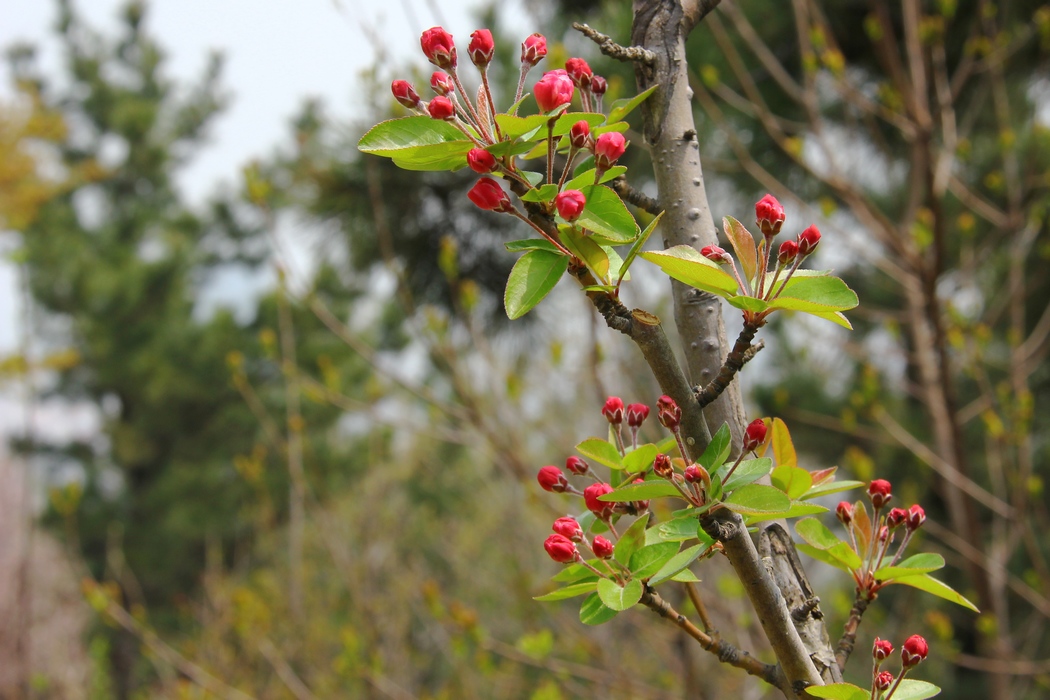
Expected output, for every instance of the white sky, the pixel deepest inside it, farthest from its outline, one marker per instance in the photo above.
(278, 52)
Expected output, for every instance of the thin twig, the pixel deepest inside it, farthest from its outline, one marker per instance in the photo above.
(633, 54)
(849, 632)
(735, 360)
(632, 196)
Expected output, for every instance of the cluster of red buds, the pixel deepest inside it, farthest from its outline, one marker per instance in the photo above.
(884, 683)
(769, 216)
(883, 527)
(477, 118)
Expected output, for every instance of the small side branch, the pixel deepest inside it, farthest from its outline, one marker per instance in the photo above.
(742, 352)
(633, 54)
(849, 633)
(726, 652)
(633, 196)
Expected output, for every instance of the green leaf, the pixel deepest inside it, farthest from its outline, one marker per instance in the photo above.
(585, 248)
(657, 488)
(531, 279)
(915, 690)
(651, 558)
(820, 294)
(830, 487)
(530, 244)
(570, 591)
(606, 216)
(675, 564)
(678, 529)
(925, 582)
(544, 193)
(615, 266)
(744, 245)
(594, 611)
(636, 247)
(783, 448)
(835, 317)
(757, 499)
(411, 136)
(717, 451)
(640, 458)
(839, 691)
(746, 303)
(921, 563)
(586, 179)
(686, 265)
(685, 576)
(576, 573)
(621, 108)
(815, 533)
(601, 451)
(791, 480)
(617, 597)
(747, 472)
(823, 555)
(797, 510)
(630, 541)
(534, 127)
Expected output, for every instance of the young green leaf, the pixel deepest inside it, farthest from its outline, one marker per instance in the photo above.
(744, 245)
(686, 265)
(757, 499)
(530, 244)
(797, 510)
(747, 472)
(638, 459)
(586, 179)
(617, 597)
(602, 452)
(411, 135)
(570, 591)
(607, 217)
(910, 689)
(587, 250)
(791, 480)
(621, 108)
(636, 247)
(925, 582)
(820, 294)
(839, 691)
(651, 558)
(921, 563)
(678, 529)
(783, 448)
(829, 488)
(657, 488)
(717, 451)
(677, 563)
(594, 611)
(630, 541)
(531, 279)
(545, 193)
(824, 556)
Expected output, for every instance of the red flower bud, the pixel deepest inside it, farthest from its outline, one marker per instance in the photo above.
(916, 517)
(881, 650)
(636, 414)
(481, 48)
(602, 548)
(662, 466)
(769, 215)
(488, 194)
(570, 204)
(533, 49)
(914, 651)
(580, 72)
(755, 434)
(441, 83)
(590, 496)
(613, 410)
(884, 533)
(788, 252)
(442, 108)
(883, 681)
(481, 161)
(552, 479)
(568, 528)
(844, 511)
(608, 148)
(598, 85)
(553, 90)
(880, 491)
(808, 240)
(692, 474)
(576, 465)
(405, 93)
(896, 517)
(580, 134)
(560, 548)
(668, 412)
(439, 47)
(716, 254)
